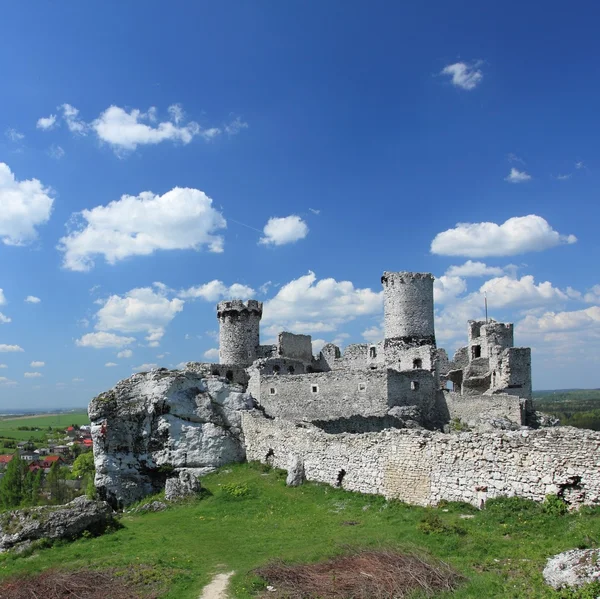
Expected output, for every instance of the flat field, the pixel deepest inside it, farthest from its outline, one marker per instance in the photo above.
(251, 518)
(9, 427)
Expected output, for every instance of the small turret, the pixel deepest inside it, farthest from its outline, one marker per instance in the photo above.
(239, 331)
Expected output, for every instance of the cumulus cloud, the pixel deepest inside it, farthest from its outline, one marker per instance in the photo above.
(216, 290)
(32, 375)
(476, 269)
(110, 364)
(373, 334)
(305, 305)
(77, 380)
(145, 367)
(211, 354)
(3, 366)
(182, 218)
(10, 348)
(593, 295)
(553, 322)
(517, 176)
(25, 205)
(517, 235)
(279, 231)
(523, 292)
(317, 345)
(464, 75)
(141, 310)
(4, 319)
(125, 130)
(2, 297)
(235, 126)
(31, 299)
(103, 340)
(446, 288)
(126, 353)
(37, 364)
(46, 122)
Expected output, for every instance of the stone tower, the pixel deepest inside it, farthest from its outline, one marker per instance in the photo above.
(408, 306)
(239, 335)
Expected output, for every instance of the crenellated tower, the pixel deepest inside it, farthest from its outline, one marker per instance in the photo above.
(239, 331)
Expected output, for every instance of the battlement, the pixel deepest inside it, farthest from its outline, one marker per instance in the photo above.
(238, 306)
(403, 277)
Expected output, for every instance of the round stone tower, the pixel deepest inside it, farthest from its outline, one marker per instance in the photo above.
(239, 335)
(408, 306)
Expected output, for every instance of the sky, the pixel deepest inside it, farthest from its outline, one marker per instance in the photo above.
(156, 158)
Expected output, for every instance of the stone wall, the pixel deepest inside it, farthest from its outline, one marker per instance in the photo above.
(422, 467)
(511, 371)
(239, 324)
(298, 347)
(470, 409)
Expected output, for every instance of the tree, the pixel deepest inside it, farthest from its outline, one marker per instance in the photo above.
(38, 482)
(83, 465)
(11, 485)
(56, 483)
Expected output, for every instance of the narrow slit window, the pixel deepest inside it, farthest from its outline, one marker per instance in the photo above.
(372, 352)
(273, 391)
(362, 386)
(414, 385)
(314, 388)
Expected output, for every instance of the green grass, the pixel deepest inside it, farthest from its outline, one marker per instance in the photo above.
(252, 517)
(9, 426)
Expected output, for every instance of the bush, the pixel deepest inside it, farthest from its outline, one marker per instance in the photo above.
(512, 506)
(432, 524)
(555, 505)
(233, 491)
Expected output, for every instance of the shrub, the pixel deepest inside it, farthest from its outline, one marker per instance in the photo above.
(506, 507)
(235, 491)
(555, 505)
(432, 524)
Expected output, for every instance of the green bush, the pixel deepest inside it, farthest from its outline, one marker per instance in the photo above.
(512, 506)
(432, 524)
(555, 505)
(235, 491)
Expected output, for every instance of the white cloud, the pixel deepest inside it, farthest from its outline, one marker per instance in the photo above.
(141, 310)
(3, 366)
(77, 380)
(215, 290)
(24, 205)
(517, 235)
(564, 177)
(517, 176)
(32, 375)
(31, 299)
(465, 76)
(514, 158)
(235, 126)
(315, 211)
(37, 364)
(10, 348)
(102, 340)
(145, 367)
(306, 305)
(579, 165)
(523, 292)
(593, 295)
(279, 231)
(14, 135)
(475, 269)
(317, 345)
(446, 288)
(46, 122)
(553, 322)
(4, 319)
(373, 334)
(56, 152)
(211, 354)
(182, 218)
(74, 123)
(2, 297)
(126, 353)
(126, 130)
(110, 364)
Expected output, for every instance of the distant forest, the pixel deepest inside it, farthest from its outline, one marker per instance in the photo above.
(574, 407)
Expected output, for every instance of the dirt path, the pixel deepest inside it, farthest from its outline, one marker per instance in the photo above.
(217, 587)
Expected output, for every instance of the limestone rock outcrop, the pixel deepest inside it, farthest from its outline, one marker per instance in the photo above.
(573, 568)
(295, 475)
(20, 527)
(154, 423)
(185, 484)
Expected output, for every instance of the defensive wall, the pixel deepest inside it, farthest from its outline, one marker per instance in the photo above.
(423, 467)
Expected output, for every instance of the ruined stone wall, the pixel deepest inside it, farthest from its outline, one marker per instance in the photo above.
(498, 334)
(408, 304)
(422, 467)
(470, 409)
(339, 393)
(297, 347)
(401, 355)
(511, 371)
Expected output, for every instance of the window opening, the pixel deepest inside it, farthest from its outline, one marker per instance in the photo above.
(340, 477)
(414, 385)
(291, 370)
(314, 388)
(372, 352)
(229, 375)
(417, 364)
(362, 386)
(273, 391)
(276, 369)
(476, 352)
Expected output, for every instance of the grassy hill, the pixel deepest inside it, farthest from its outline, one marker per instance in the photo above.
(251, 517)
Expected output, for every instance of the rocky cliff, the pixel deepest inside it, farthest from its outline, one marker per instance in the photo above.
(153, 425)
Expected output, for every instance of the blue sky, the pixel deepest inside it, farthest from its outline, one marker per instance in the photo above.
(156, 158)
